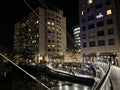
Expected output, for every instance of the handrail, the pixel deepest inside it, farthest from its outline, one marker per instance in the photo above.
(102, 82)
(25, 72)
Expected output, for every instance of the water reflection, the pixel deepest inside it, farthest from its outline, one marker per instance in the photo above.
(18, 80)
(63, 85)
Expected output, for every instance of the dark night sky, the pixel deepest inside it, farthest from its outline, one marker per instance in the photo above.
(12, 11)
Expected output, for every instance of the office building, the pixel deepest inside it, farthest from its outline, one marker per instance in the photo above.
(44, 34)
(100, 29)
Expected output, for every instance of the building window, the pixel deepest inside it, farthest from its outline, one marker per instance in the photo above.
(48, 22)
(110, 31)
(49, 45)
(83, 28)
(100, 33)
(91, 26)
(53, 45)
(98, 5)
(84, 36)
(111, 42)
(90, 1)
(90, 17)
(107, 2)
(109, 21)
(82, 5)
(49, 31)
(91, 34)
(92, 44)
(83, 20)
(49, 40)
(101, 42)
(99, 24)
(84, 44)
(52, 23)
(108, 12)
(90, 9)
(49, 50)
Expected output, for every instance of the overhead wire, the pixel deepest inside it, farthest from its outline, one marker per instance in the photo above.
(46, 7)
(34, 78)
(68, 34)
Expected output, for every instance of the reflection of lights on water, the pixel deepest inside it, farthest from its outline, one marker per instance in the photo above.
(60, 85)
(80, 87)
(75, 88)
(66, 87)
(85, 88)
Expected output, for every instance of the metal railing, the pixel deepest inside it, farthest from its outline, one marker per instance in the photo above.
(34, 78)
(102, 84)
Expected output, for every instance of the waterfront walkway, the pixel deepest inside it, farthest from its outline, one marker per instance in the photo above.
(115, 77)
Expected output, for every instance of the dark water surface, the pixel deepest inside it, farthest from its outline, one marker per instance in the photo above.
(18, 80)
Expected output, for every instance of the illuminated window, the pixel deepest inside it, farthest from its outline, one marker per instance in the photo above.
(49, 45)
(84, 44)
(48, 22)
(49, 27)
(90, 1)
(108, 12)
(53, 45)
(52, 23)
(29, 30)
(37, 21)
(37, 35)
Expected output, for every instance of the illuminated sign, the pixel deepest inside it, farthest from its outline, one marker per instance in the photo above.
(99, 15)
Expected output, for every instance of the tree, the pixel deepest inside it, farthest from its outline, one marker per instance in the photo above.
(27, 53)
(3, 64)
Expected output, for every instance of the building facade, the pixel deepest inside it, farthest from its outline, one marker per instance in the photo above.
(76, 34)
(44, 34)
(100, 29)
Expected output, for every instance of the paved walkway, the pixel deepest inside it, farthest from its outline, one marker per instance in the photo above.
(115, 77)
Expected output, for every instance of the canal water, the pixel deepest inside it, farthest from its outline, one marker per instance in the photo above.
(18, 80)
